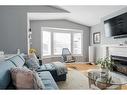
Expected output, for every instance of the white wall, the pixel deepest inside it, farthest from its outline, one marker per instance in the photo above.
(13, 26)
(36, 35)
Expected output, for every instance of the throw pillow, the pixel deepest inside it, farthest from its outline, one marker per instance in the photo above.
(33, 55)
(24, 78)
(32, 63)
(69, 58)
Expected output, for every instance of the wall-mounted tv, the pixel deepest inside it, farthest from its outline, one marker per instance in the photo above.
(116, 27)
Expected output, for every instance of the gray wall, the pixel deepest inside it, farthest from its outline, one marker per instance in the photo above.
(36, 32)
(13, 26)
(94, 29)
(105, 40)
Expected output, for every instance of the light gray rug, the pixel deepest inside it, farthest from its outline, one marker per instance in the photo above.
(75, 81)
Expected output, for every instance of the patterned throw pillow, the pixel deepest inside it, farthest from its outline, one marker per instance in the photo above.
(32, 63)
(24, 78)
(33, 55)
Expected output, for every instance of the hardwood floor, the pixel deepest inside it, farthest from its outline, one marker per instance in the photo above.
(82, 67)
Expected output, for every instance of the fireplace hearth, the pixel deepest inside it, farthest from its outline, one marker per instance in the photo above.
(120, 64)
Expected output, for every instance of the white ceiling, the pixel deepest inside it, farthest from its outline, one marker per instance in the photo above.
(83, 14)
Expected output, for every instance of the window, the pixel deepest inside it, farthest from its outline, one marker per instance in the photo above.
(77, 43)
(46, 43)
(54, 40)
(61, 40)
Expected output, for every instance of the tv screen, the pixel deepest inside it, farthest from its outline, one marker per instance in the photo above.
(116, 26)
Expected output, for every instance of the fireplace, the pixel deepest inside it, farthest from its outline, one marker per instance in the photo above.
(120, 64)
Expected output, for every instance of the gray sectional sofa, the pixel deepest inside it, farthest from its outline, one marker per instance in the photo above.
(54, 71)
(18, 61)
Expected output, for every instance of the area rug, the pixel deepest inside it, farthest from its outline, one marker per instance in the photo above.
(77, 78)
(75, 81)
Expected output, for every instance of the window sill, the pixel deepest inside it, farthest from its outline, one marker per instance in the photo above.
(77, 55)
(43, 57)
(50, 56)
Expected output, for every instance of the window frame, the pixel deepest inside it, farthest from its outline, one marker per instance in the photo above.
(50, 44)
(53, 42)
(81, 44)
(56, 30)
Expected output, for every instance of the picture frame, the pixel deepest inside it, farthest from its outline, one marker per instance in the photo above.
(96, 38)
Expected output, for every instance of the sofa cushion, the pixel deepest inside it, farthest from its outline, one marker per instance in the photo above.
(17, 60)
(38, 84)
(48, 80)
(5, 73)
(22, 55)
(58, 72)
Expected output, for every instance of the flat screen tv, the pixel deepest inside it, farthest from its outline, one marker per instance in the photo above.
(116, 27)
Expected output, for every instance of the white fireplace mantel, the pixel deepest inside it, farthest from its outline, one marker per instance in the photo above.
(118, 50)
(103, 51)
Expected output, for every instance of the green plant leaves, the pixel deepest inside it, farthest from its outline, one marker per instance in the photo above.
(105, 63)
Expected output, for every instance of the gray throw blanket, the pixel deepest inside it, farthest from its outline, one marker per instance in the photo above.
(60, 68)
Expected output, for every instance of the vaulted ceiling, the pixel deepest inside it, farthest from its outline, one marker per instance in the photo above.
(83, 14)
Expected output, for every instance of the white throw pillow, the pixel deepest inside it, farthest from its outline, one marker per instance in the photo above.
(69, 58)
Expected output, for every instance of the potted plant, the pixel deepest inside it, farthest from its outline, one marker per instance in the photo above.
(103, 83)
(32, 50)
(106, 65)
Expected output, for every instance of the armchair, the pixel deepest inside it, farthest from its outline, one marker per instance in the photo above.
(66, 56)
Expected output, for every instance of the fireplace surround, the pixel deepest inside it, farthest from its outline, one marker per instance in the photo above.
(120, 64)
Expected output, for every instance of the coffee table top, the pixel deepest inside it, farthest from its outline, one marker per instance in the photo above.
(113, 78)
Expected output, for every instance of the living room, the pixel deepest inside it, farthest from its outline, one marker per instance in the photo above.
(66, 43)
